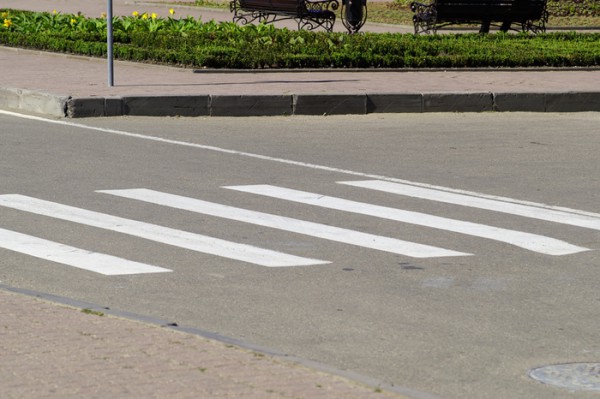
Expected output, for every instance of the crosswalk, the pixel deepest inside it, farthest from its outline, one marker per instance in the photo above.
(178, 238)
(532, 242)
(72, 256)
(110, 265)
(288, 224)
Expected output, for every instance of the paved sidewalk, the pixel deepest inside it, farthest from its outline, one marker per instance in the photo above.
(78, 87)
(50, 350)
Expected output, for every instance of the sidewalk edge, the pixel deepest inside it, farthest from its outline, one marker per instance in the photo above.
(34, 101)
(295, 104)
(348, 375)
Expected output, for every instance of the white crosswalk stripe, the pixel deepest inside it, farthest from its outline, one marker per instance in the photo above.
(195, 242)
(532, 210)
(532, 242)
(288, 224)
(112, 265)
(71, 256)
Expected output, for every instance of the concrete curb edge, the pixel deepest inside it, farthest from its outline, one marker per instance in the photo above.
(295, 104)
(34, 101)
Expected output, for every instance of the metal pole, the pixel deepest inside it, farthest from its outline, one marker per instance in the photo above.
(109, 43)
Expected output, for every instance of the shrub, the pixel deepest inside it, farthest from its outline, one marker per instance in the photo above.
(192, 43)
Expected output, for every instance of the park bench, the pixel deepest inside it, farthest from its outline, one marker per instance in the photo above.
(519, 15)
(309, 14)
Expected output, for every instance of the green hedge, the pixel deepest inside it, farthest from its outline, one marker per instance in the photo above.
(226, 45)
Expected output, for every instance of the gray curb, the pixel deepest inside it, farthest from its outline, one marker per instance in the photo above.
(33, 101)
(295, 104)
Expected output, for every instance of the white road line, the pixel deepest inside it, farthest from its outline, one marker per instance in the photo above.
(296, 163)
(566, 216)
(288, 224)
(532, 242)
(178, 238)
(71, 256)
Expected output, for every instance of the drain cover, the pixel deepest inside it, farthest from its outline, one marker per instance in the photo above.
(573, 376)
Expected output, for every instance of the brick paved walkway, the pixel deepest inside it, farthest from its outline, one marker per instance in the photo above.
(49, 350)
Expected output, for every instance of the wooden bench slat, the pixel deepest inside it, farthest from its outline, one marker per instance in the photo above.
(282, 5)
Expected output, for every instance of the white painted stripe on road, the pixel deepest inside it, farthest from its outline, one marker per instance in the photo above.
(532, 242)
(178, 238)
(566, 216)
(296, 163)
(71, 256)
(288, 224)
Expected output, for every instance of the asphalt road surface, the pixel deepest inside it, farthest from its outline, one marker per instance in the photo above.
(446, 253)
